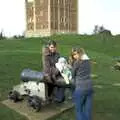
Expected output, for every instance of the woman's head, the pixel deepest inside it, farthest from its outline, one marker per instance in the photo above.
(77, 53)
(52, 46)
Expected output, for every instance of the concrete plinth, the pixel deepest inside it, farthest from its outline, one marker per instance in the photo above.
(46, 112)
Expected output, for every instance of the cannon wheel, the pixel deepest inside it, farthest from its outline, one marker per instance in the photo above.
(15, 96)
(35, 102)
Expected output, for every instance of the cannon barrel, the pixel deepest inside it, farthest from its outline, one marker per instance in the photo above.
(32, 75)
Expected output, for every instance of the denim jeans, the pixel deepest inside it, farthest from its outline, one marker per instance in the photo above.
(59, 94)
(83, 104)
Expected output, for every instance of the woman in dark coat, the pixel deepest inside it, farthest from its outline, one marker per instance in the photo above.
(50, 57)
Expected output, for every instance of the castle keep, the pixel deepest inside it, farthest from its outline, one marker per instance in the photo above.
(46, 17)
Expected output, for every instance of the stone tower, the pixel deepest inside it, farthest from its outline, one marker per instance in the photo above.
(46, 17)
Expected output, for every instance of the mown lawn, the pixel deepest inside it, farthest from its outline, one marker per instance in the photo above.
(15, 55)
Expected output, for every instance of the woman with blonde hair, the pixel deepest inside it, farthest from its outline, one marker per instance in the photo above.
(83, 93)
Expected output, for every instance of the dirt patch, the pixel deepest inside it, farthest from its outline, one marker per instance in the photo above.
(46, 112)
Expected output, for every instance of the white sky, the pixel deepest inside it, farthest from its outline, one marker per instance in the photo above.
(91, 12)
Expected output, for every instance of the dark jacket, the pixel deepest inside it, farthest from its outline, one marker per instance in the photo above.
(81, 75)
(49, 60)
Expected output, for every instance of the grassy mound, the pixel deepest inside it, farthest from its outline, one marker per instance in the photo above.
(15, 55)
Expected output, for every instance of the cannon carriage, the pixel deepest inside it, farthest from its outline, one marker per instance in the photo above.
(33, 87)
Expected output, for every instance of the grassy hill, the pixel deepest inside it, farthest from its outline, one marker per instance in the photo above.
(15, 55)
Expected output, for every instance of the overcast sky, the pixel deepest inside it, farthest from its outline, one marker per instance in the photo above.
(91, 12)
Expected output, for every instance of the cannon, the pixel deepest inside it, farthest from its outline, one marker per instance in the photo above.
(33, 86)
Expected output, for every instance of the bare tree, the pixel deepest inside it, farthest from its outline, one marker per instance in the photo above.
(95, 31)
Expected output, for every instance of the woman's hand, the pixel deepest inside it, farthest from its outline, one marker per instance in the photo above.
(47, 78)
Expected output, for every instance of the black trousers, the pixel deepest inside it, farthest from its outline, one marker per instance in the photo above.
(50, 88)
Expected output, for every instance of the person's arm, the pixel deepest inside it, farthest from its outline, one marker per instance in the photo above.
(47, 69)
(74, 68)
(45, 60)
(46, 65)
(73, 74)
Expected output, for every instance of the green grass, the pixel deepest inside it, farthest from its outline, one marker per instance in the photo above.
(15, 55)
(8, 114)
